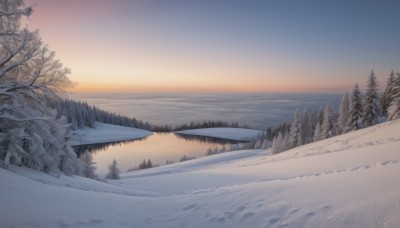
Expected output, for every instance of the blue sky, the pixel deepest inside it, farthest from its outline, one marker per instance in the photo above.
(251, 46)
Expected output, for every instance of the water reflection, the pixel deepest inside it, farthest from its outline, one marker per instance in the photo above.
(206, 139)
(159, 147)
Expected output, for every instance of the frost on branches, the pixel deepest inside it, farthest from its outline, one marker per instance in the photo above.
(30, 134)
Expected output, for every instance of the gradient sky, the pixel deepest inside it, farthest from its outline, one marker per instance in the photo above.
(227, 45)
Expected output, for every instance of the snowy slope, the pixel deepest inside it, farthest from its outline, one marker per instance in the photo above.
(107, 133)
(223, 132)
(346, 181)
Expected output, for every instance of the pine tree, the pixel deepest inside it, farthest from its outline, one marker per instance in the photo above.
(294, 135)
(328, 128)
(394, 108)
(317, 133)
(277, 144)
(355, 112)
(343, 114)
(371, 108)
(113, 171)
(306, 127)
(88, 166)
(387, 96)
(266, 144)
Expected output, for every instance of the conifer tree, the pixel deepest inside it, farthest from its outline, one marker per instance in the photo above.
(88, 166)
(343, 114)
(394, 109)
(355, 111)
(317, 133)
(328, 128)
(277, 143)
(387, 96)
(371, 108)
(113, 170)
(306, 127)
(294, 133)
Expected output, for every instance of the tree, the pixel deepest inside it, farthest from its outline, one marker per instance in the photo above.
(355, 112)
(87, 165)
(371, 108)
(328, 128)
(394, 108)
(30, 76)
(306, 127)
(387, 96)
(317, 133)
(343, 114)
(294, 133)
(277, 143)
(113, 171)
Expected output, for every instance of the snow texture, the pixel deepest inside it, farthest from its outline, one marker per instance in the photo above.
(349, 180)
(224, 133)
(107, 133)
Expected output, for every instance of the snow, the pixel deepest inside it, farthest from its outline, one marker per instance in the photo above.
(345, 181)
(107, 133)
(224, 133)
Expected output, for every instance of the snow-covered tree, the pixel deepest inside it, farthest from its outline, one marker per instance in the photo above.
(30, 76)
(343, 114)
(317, 133)
(306, 127)
(371, 108)
(113, 171)
(355, 112)
(277, 144)
(387, 96)
(328, 127)
(394, 108)
(87, 165)
(294, 133)
(266, 144)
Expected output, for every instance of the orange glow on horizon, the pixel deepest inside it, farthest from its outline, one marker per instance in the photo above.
(101, 88)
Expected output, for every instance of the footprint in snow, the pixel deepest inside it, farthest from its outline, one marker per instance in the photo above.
(189, 207)
(273, 221)
(241, 208)
(294, 211)
(247, 215)
(309, 214)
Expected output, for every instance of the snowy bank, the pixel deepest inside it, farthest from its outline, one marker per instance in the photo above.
(240, 134)
(107, 133)
(345, 181)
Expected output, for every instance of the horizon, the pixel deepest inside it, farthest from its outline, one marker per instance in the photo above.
(208, 46)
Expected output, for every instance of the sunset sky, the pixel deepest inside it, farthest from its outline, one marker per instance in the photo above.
(221, 46)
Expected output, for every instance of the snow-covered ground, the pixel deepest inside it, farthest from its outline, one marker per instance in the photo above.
(347, 181)
(107, 133)
(224, 133)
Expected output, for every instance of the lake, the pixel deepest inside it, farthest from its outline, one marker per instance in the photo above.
(257, 110)
(158, 147)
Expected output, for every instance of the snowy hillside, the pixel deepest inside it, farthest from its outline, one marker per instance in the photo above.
(107, 133)
(347, 181)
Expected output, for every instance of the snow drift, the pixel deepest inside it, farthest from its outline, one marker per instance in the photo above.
(345, 181)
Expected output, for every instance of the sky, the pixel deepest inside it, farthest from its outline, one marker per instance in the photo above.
(221, 45)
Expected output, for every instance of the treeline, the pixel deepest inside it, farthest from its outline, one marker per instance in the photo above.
(80, 114)
(197, 125)
(355, 112)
